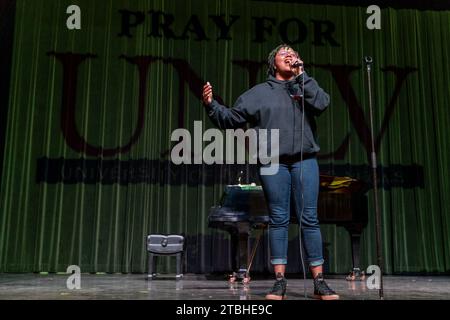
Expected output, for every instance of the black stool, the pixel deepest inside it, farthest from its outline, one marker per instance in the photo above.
(164, 245)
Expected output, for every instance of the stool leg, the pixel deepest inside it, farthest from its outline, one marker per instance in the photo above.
(151, 266)
(179, 266)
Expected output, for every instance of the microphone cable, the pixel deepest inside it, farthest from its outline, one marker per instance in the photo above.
(300, 232)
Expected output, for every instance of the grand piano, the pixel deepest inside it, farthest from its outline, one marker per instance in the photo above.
(243, 208)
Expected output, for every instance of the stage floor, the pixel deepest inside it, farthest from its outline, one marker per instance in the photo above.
(201, 287)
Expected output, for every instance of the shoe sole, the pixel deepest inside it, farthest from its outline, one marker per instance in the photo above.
(275, 297)
(330, 297)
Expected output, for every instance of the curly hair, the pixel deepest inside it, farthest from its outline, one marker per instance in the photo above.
(271, 58)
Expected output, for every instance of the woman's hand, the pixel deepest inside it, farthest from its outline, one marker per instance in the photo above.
(299, 69)
(207, 95)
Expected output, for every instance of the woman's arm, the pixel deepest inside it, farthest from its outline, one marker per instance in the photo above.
(315, 96)
(221, 116)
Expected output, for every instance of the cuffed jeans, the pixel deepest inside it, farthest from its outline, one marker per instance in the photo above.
(277, 189)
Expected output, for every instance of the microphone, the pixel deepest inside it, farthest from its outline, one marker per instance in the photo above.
(368, 61)
(297, 64)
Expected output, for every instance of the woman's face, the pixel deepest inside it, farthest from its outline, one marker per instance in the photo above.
(283, 60)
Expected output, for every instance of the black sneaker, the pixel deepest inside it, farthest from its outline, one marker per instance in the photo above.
(322, 291)
(278, 291)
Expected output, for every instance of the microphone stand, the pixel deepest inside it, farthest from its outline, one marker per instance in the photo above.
(368, 61)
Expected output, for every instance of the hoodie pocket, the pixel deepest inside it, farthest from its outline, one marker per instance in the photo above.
(308, 144)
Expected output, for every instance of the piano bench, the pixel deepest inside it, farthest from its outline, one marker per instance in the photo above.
(164, 245)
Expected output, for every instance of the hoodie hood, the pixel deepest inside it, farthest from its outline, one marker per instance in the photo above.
(272, 81)
(292, 85)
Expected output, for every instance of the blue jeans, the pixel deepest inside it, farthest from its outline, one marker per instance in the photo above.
(277, 189)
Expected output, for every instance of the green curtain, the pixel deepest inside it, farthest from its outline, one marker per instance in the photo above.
(52, 217)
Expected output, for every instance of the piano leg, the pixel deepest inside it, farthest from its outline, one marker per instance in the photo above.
(244, 232)
(356, 274)
(239, 252)
(234, 254)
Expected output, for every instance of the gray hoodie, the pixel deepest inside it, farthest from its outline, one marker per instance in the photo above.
(270, 105)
